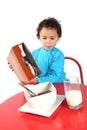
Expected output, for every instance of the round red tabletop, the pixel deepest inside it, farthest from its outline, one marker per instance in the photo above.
(62, 119)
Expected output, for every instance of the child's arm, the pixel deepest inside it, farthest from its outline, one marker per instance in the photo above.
(55, 72)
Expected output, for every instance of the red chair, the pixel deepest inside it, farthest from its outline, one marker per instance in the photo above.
(79, 66)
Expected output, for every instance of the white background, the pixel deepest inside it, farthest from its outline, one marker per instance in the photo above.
(18, 23)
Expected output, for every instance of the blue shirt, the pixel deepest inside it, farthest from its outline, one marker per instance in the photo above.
(51, 63)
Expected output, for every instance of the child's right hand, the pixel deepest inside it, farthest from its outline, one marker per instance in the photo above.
(10, 66)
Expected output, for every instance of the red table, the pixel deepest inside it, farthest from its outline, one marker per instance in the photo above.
(62, 119)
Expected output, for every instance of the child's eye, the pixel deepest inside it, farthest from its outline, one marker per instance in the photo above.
(44, 38)
(52, 38)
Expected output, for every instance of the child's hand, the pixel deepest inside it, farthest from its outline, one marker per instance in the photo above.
(10, 66)
(33, 81)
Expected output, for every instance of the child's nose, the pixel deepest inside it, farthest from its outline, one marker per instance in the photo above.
(48, 41)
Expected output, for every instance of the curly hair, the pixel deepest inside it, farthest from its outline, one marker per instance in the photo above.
(49, 23)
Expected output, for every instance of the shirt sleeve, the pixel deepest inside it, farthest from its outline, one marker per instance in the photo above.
(55, 72)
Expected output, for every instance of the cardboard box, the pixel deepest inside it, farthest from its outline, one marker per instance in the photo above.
(23, 63)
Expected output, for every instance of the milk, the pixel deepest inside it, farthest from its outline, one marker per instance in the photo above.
(73, 97)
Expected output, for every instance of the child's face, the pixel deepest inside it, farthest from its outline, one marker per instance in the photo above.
(48, 38)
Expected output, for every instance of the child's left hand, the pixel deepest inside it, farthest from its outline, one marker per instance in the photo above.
(33, 81)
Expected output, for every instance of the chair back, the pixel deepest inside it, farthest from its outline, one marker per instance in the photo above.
(72, 66)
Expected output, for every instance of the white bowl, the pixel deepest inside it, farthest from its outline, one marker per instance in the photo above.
(44, 101)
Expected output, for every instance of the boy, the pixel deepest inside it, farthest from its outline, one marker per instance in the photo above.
(49, 58)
